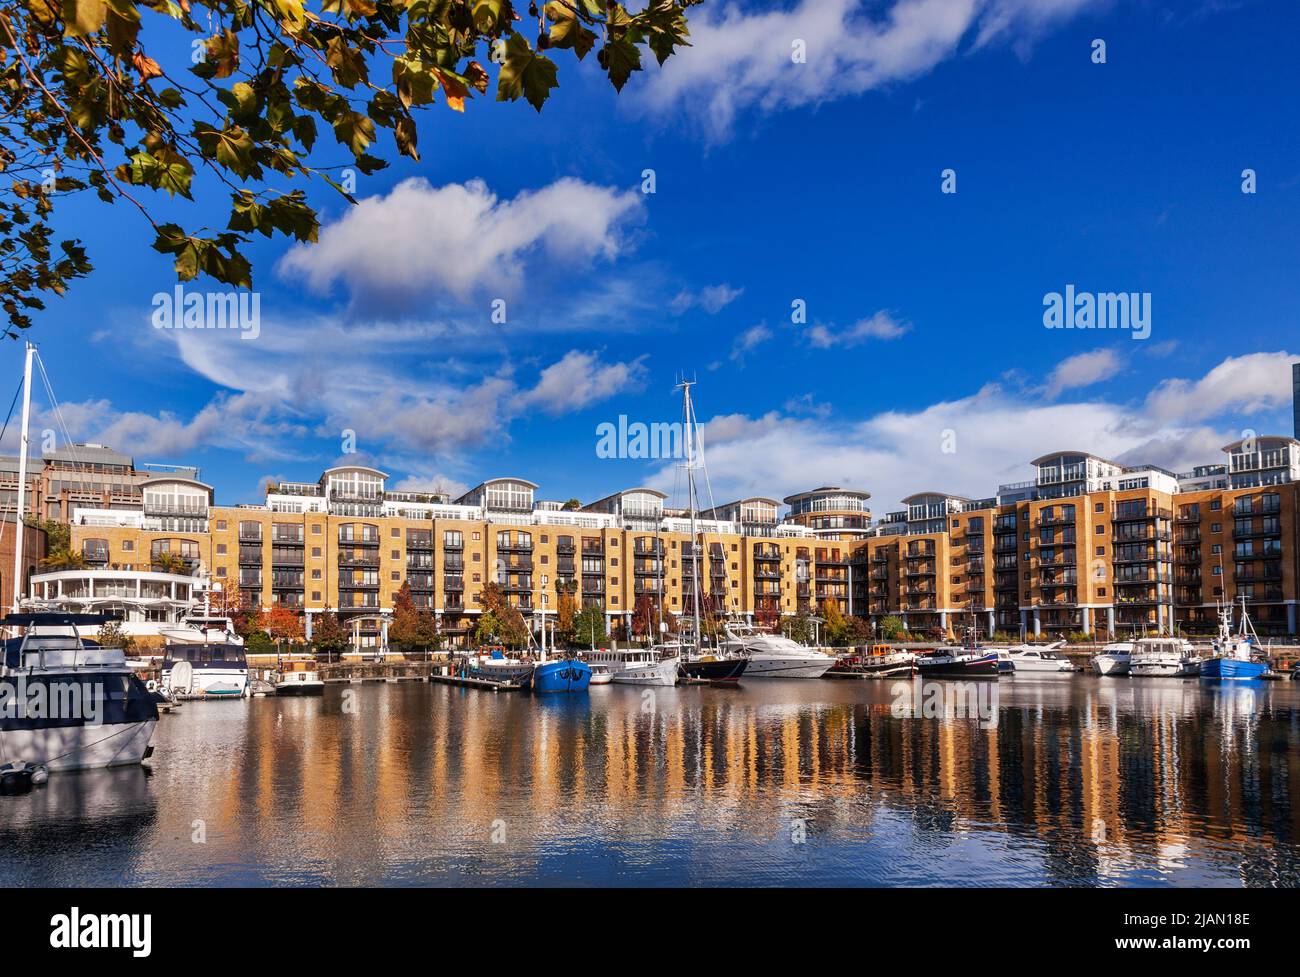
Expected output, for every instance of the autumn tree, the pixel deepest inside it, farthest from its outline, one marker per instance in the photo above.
(281, 624)
(565, 608)
(412, 628)
(510, 628)
(834, 625)
(97, 96)
(645, 617)
(329, 635)
(589, 627)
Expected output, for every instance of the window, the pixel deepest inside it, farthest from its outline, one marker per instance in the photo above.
(221, 525)
(128, 545)
(1101, 551)
(315, 530)
(1099, 507)
(1101, 530)
(397, 554)
(315, 595)
(315, 551)
(221, 549)
(396, 532)
(395, 575)
(1217, 571)
(315, 574)
(221, 571)
(1216, 527)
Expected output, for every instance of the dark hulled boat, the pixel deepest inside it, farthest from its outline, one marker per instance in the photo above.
(720, 670)
(946, 664)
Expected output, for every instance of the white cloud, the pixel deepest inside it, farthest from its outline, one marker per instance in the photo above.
(740, 59)
(711, 298)
(882, 325)
(460, 239)
(1246, 384)
(1181, 424)
(577, 381)
(749, 340)
(1082, 370)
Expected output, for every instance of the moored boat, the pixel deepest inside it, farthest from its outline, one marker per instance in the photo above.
(216, 669)
(600, 675)
(874, 660)
(1235, 656)
(958, 663)
(637, 666)
(1029, 659)
(1163, 658)
(1113, 659)
(71, 706)
(492, 664)
(298, 676)
(567, 674)
(774, 655)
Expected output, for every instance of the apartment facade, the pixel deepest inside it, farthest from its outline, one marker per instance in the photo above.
(1087, 545)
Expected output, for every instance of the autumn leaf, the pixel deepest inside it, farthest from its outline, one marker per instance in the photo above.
(525, 73)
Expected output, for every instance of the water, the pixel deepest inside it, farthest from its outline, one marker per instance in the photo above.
(1080, 781)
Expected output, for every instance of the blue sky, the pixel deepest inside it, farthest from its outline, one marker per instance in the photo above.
(774, 182)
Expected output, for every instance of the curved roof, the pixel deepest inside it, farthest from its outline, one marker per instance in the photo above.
(508, 478)
(646, 489)
(938, 495)
(354, 468)
(1258, 439)
(825, 490)
(150, 483)
(1085, 454)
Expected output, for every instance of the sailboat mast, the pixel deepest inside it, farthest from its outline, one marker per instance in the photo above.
(691, 501)
(22, 479)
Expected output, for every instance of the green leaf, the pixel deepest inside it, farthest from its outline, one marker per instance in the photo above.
(525, 73)
(355, 131)
(622, 57)
(83, 17)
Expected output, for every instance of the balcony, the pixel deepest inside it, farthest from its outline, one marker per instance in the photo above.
(1151, 535)
(517, 547)
(369, 561)
(369, 542)
(1118, 515)
(1056, 520)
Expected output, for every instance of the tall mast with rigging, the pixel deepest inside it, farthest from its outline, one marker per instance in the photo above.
(22, 479)
(688, 413)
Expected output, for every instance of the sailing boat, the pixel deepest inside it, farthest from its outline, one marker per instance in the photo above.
(1236, 656)
(68, 706)
(695, 661)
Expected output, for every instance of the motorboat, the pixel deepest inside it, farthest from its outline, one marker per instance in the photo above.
(637, 666)
(1113, 659)
(600, 675)
(874, 660)
(966, 661)
(1163, 657)
(1034, 659)
(202, 629)
(705, 664)
(67, 705)
(218, 670)
(774, 655)
(298, 676)
(1235, 656)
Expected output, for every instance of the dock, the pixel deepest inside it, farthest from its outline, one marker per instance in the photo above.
(476, 683)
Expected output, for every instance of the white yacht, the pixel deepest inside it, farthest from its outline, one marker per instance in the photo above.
(219, 670)
(600, 674)
(1113, 659)
(1163, 657)
(635, 666)
(1031, 658)
(774, 655)
(93, 712)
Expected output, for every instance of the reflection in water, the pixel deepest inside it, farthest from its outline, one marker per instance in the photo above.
(1079, 781)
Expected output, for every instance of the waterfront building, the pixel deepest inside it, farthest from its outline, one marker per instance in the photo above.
(82, 476)
(1086, 545)
(152, 605)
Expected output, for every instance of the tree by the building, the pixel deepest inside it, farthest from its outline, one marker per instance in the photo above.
(589, 627)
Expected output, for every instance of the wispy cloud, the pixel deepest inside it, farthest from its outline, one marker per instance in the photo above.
(1082, 370)
(881, 325)
(741, 60)
(712, 299)
(750, 340)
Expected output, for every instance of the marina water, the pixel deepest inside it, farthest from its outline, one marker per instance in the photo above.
(1077, 781)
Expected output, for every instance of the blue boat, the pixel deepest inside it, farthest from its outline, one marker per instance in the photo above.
(1236, 656)
(564, 675)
